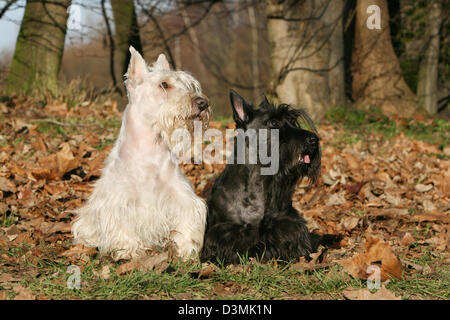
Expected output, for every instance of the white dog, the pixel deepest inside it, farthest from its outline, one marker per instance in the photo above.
(142, 199)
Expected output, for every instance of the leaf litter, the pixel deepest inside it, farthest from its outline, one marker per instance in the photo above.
(388, 198)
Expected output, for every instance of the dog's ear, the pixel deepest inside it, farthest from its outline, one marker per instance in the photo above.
(137, 69)
(242, 110)
(265, 100)
(162, 63)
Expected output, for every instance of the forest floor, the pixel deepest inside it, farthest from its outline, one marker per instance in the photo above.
(385, 187)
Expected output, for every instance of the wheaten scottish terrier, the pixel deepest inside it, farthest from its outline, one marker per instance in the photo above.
(142, 199)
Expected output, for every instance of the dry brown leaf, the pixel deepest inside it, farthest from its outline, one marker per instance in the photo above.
(348, 223)
(77, 250)
(407, 239)
(436, 216)
(105, 272)
(378, 253)
(6, 277)
(52, 227)
(7, 185)
(428, 205)
(55, 189)
(423, 188)
(207, 272)
(365, 294)
(65, 159)
(59, 109)
(42, 173)
(336, 199)
(23, 293)
(352, 161)
(126, 268)
(423, 147)
(159, 262)
(39, 145)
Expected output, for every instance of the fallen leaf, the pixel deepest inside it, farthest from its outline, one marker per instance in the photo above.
(428, 206)
(336, 199)
(59, 109)
(42, 173)
(105, 272)
(39, 145)
(23, 293)
(377, 253)
(431, 217)
(365, 294)
(55, 189)
(159, 262)
(423, 188)
(6, 277)
(7, 185)
(126, 268)
(407, 239)
(77, 250)
(65, 159)
(52, 227)
(348, 223)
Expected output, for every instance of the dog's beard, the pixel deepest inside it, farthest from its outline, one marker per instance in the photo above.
(303, 163)
(312, 170)
(193, 124)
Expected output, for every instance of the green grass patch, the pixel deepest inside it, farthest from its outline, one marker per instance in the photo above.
(248, 280)
(360, 123)
(8, 219)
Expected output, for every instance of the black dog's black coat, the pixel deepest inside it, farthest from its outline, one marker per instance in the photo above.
(252, 214)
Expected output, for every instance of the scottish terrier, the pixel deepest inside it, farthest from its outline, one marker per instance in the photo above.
(250, 214)
(142, 199)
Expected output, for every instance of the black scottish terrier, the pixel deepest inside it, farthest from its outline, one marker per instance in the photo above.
(250, 214)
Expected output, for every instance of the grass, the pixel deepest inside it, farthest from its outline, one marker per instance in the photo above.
(248, 280)
(8, 219)
(360, 123)
(46, 274)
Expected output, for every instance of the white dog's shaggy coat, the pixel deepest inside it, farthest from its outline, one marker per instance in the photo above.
(142, 199)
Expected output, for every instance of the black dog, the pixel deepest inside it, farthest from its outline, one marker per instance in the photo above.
(250, 214)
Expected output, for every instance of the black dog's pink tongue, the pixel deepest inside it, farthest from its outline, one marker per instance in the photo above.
(306, 159)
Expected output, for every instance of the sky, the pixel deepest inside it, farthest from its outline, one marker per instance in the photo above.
(10, 24)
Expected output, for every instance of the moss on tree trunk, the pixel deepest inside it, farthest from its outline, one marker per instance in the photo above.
(126, 32)
(39, 47)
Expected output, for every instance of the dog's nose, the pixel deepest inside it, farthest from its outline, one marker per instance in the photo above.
(312, 140)
(201, 103)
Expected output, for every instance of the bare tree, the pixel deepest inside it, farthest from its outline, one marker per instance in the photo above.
(126, 32)
(377, 76)
(254, 49)
(306, 39)
(39, 47)
(112, 48)
(427, 86)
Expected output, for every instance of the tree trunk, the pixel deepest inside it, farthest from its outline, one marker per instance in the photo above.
(336, 77)
(126, 32)
(377, 77)
(306, 40)
(195, 42)
(39, 49)
(427, 86)
(255, 60)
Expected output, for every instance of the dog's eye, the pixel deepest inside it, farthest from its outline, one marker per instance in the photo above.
(274, 123)
(165, 85)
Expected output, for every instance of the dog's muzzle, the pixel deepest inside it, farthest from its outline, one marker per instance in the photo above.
(312, 145)
(200, 107)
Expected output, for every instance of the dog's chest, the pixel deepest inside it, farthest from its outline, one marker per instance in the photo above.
(240, 203)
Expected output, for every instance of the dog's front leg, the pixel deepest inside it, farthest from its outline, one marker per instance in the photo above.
(189, 227)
